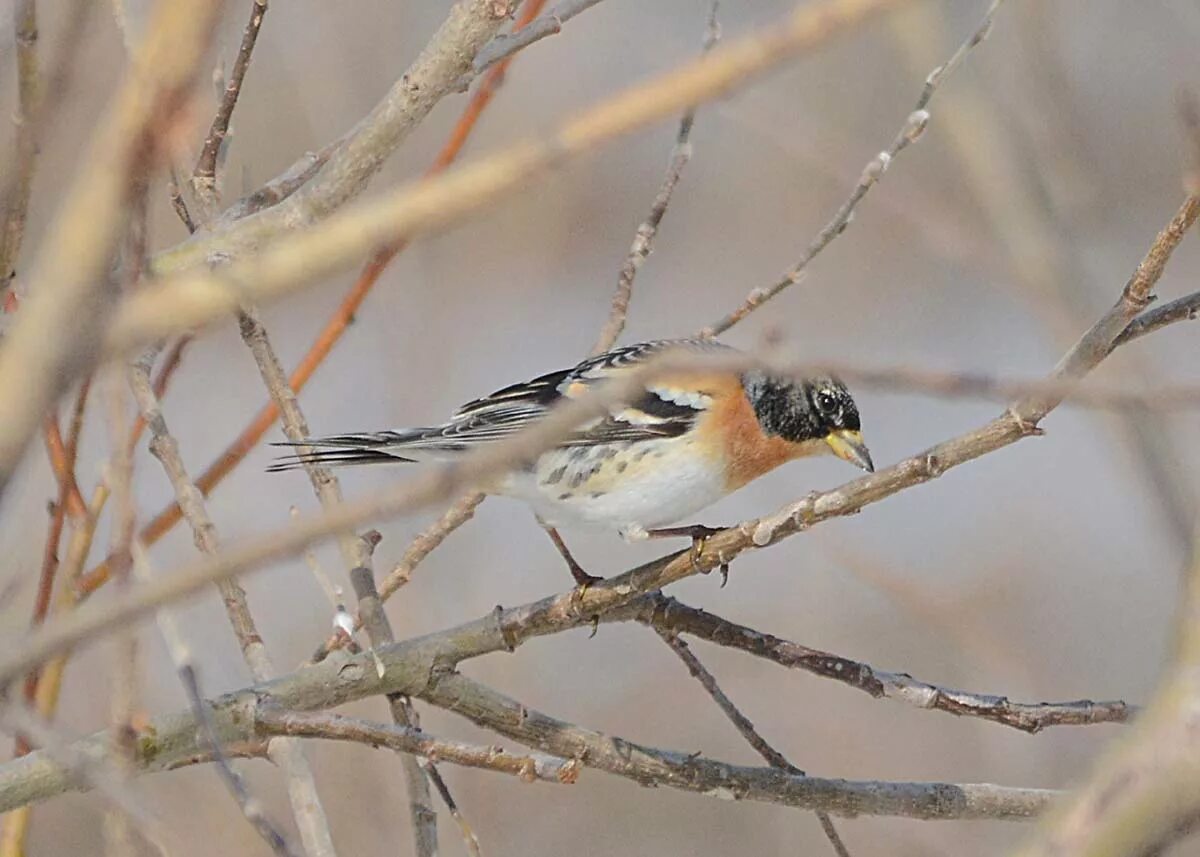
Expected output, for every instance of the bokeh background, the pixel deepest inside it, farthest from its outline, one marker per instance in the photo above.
(1048, 571)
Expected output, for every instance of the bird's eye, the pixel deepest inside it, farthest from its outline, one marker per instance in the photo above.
(826, 402)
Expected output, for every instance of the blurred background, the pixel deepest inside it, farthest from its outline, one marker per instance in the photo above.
(1047, 571)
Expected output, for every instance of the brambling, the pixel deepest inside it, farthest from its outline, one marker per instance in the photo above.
(686, 442)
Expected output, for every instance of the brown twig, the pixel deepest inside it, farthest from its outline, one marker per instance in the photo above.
(643, 241)
(912, 129)
(204, 177)
(62, 460)
(428, 540)
(746, 728)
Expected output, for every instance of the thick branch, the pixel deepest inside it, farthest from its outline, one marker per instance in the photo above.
(434, 74)
(195, 297)
(235, 718)
(649, 766)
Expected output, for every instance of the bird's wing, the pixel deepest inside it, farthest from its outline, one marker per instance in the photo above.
(667, 408)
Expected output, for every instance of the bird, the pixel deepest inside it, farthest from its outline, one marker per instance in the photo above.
(685, 441)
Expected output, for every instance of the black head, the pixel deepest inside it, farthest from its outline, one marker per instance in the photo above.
(812, 409)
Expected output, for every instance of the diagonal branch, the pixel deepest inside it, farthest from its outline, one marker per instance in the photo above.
(193, 297)
(204, 177)
(668, 616)
(57, 331)
(306, 803)
(743, 725)
(643, 240)
(912, 129)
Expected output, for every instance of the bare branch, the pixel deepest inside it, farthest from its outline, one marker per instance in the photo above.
(669, 616)
(57, 331)
(649, 766)
(743, 725)
(182, 659)
(193, 297)
(306, 804)
(1180, 309)
(912, 129)
(469, 25)
(505, 45)
(379, 632)
(204, 177)
(404, 739)
(234, 717)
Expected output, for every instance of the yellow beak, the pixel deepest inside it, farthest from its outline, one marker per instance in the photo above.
(849, 446)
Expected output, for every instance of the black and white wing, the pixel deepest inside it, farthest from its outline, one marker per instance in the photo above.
(663, 410)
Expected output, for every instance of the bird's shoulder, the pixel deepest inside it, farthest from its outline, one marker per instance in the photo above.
(669, 406)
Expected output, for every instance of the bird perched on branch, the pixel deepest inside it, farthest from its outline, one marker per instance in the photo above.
(688, 439)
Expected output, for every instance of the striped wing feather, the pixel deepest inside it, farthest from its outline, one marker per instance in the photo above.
(665, 410)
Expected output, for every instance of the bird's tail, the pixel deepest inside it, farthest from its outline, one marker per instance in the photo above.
(384, 447)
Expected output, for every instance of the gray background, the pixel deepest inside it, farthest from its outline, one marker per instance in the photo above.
(1046, 571)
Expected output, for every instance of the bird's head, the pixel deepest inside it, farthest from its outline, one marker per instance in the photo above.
(810, 409)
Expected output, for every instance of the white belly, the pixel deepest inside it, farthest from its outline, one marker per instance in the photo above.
(609, 486)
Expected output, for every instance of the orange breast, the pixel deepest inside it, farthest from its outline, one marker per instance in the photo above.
(731, 429)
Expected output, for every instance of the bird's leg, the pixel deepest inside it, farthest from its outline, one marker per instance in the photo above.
(699, 534)
(582, 578)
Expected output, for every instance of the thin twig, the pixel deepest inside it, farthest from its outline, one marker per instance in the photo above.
(306, 804)
(403, 739)
(643, 241)
(181, 657)
(427, 541)
(743, 725)
(912, 129)
(204, 177)
(1181, 309)
(668, 616)
(503, 46)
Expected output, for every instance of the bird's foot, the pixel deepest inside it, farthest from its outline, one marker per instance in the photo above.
(699, 534)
